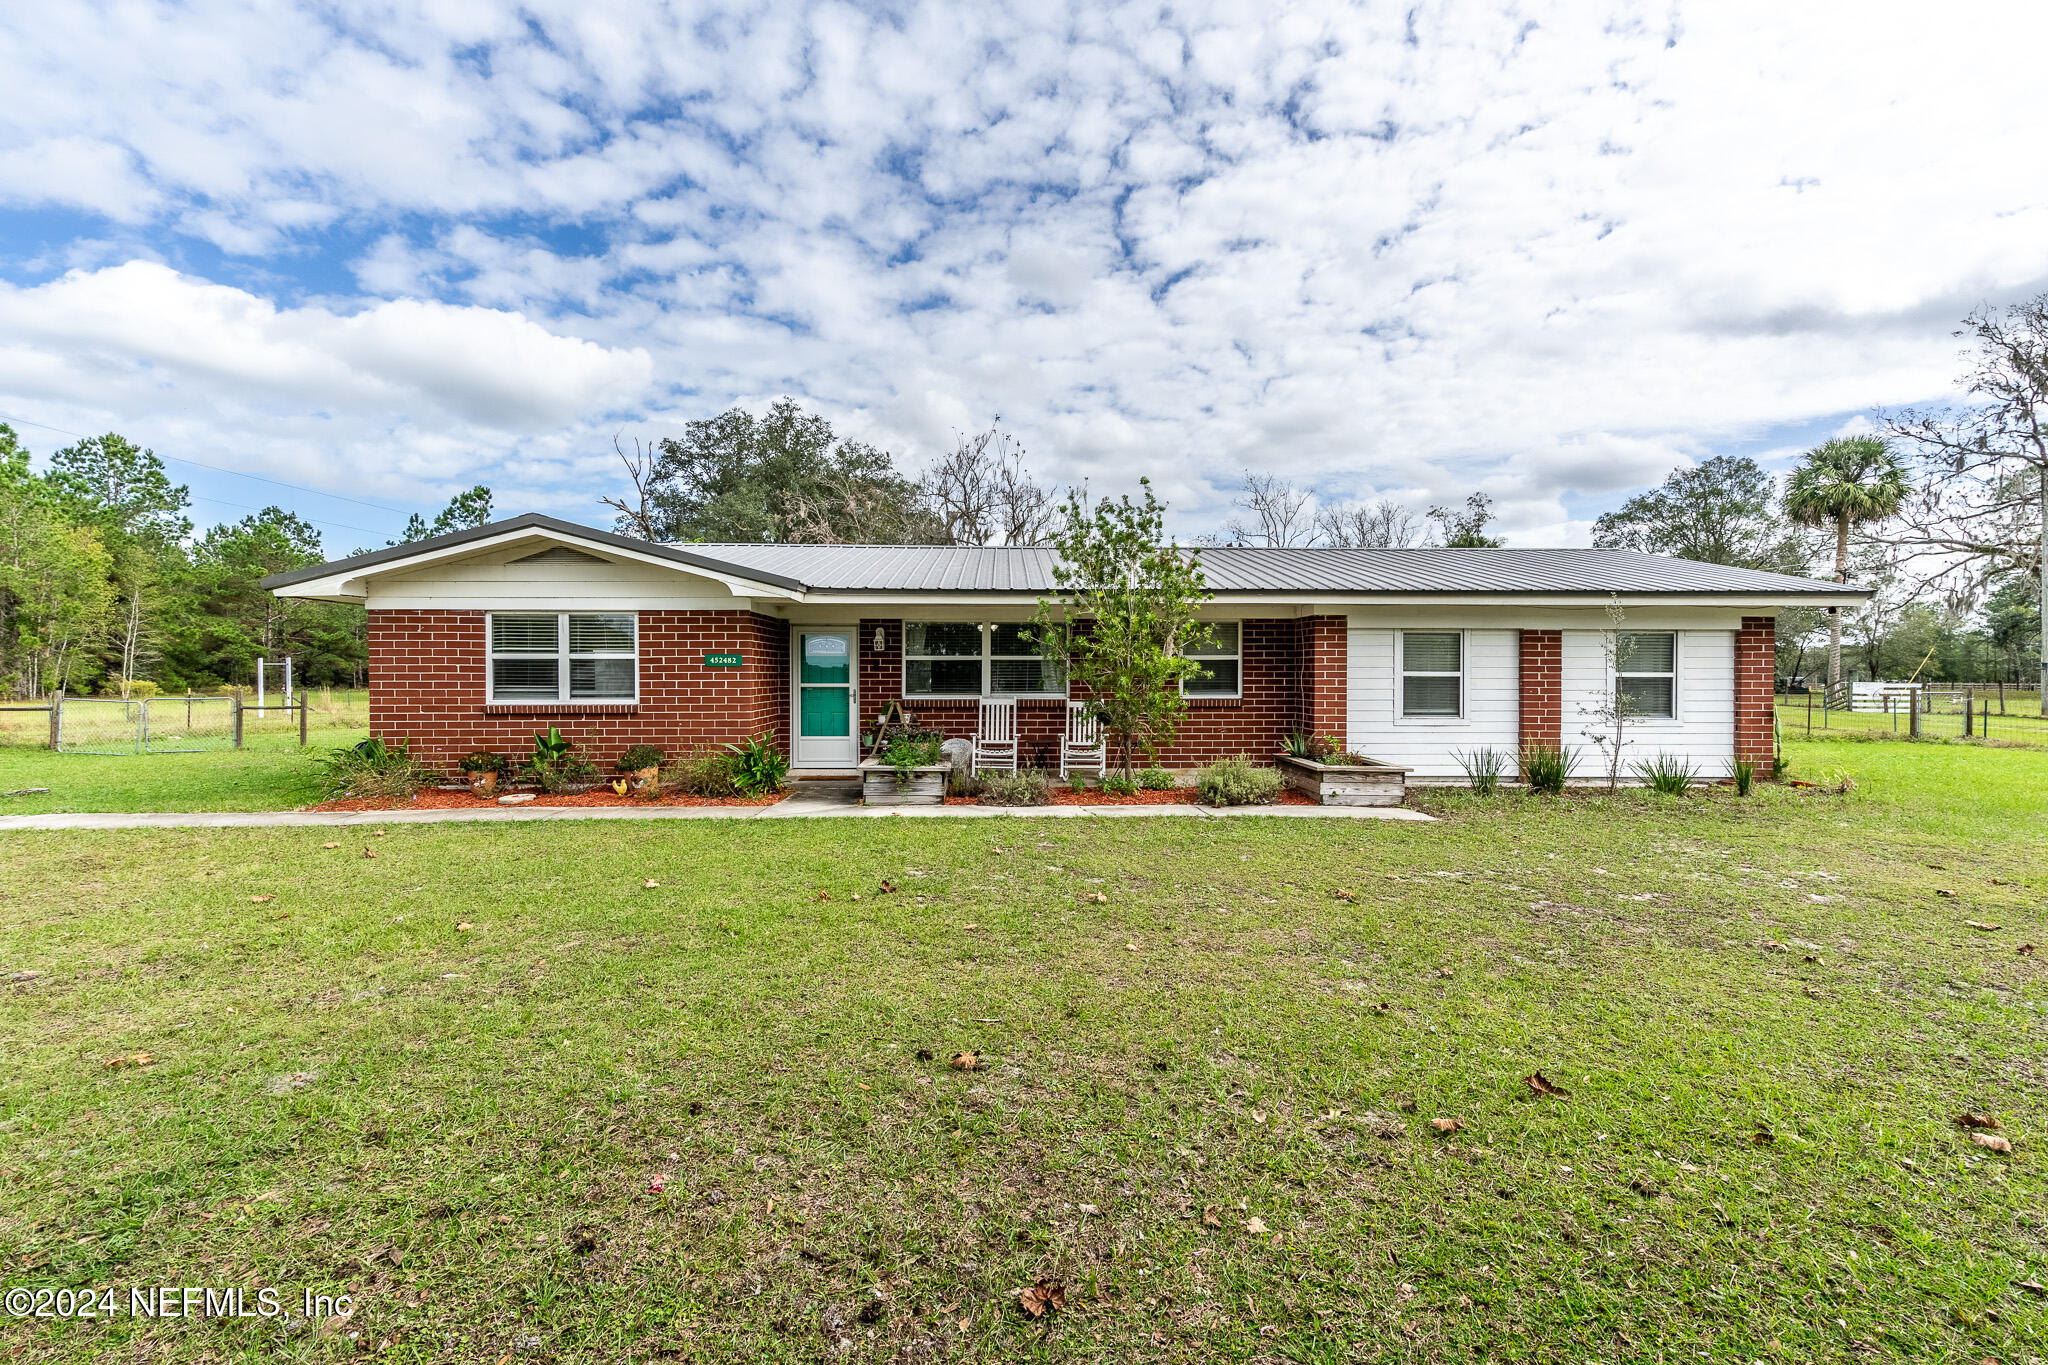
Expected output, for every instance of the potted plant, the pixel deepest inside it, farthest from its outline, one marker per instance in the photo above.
(1319, 767)
(641, 766)
(555, 765)
(484, 770)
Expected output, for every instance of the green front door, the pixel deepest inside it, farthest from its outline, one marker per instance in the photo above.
(824, 700)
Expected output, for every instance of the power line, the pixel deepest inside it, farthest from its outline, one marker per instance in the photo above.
(179, 459)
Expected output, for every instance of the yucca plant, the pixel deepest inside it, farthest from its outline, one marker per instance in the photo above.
(1546, 767)
(1667, 773)
(1483, 767)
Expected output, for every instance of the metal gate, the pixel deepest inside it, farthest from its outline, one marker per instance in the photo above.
(145, 725)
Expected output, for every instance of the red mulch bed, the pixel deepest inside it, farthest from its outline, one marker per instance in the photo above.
(435, 799)
(1179, 796)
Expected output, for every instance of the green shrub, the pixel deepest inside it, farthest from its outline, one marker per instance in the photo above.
(704, 772)
(1025, 787)
(1546, 767)
(1667, 773)
(374, 771)
(1156, 780)
(1744, 773)
(484, 761)
(638, 757)
(1235, 782)
(758, 767)
(1483, 767)
(1118, 785)
(907, 749)
(555, 764)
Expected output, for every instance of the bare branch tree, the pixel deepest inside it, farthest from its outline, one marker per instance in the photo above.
(1982, 513)
(1380, 525)
(983, 495)
(1282, 515)
(636, 518)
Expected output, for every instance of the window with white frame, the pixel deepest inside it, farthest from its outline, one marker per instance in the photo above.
(564, 656)
(1646, 672)
(976, 659)
(1222, 661)
(1433, 674)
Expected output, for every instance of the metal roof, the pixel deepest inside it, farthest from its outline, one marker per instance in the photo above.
(1251, 569)
(1028, 569)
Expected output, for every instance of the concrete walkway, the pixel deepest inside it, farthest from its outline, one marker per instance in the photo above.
(807, 801)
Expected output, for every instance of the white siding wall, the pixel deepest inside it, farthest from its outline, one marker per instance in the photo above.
(1493, 708)
(1702, 731)
(489, 581)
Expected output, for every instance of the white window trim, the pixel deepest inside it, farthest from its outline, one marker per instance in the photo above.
(561, 656)
(1463, 719)
(1236, 693)
(1677, 717)
(987, 664)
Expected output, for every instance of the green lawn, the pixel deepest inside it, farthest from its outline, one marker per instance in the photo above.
(463, 1126)
(271, 773)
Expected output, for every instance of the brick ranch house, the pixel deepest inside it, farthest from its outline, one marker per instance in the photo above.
(481, 637)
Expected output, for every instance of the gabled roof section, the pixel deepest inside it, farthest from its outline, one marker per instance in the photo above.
(398, 555)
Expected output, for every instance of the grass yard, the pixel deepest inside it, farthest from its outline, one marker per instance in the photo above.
(523, 1106)
(271, 773)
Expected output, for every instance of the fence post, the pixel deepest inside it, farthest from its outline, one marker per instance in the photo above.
(57, 721)
(302, 717)
(2001, 699)
(238, 718)
(1969, 712)
(1913, 714)
(1809, 713)
(142, 726)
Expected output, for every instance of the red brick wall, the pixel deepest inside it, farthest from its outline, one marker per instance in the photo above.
(1755, 681)
(1279, 694)
(1542, 663)
(427, 687)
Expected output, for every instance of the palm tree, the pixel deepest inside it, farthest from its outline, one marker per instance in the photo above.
(1849, 481)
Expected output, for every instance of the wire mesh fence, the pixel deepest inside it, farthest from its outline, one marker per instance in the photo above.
(1962, 713)
(193, 723)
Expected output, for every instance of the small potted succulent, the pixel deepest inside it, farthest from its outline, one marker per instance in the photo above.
(641, 768)
(484, 770)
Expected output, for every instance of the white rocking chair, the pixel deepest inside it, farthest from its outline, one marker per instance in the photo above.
(1082, 748)
(995, 739)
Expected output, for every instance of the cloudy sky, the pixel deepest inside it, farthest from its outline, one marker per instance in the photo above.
(1549, 251)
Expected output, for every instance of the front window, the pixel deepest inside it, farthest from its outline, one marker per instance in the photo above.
(564, 656)
(1432, 674)
(1646, 672)
(1222, 662)
(973, 659)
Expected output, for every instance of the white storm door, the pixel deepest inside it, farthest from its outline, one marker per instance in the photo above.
(826, 709)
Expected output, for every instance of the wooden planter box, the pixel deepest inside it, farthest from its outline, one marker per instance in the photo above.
(924, 786)
(1371, 783)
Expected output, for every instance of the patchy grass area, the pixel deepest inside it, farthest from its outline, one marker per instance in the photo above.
(516, 1102)
(271, 773)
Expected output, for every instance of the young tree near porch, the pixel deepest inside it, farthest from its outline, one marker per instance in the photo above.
(1844, 483)
(1123, 611)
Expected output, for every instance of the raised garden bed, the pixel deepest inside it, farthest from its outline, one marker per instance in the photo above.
(883, 784)
(1370, 783)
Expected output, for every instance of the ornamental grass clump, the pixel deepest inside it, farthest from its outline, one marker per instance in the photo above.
(1025, 787)
(374, 771)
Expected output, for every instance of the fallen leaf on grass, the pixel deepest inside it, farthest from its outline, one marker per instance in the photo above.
(369, 852)
(134, 1059)
(1993, 1141)
(1256, 1227)
(1097, 897)
(464, 927)
(376, 834)
(1814, 960)
(1382, 1007)
(332, 843)
(2034, 1287)
(888, 888)
(650, 883)
(1212, 1217)
(965, 1061)
(1447, 1125)
(824, 895)
(1762, 1139)
(1132, 946)
(924, 1054)
(1943, 891)
(2025, 950)
(1980, 925)
(1541, 1085)
(1344, 895)
(260, 899)
(1037, 1298)
(1443, 971)
(1975, 1121)
(966, 927)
